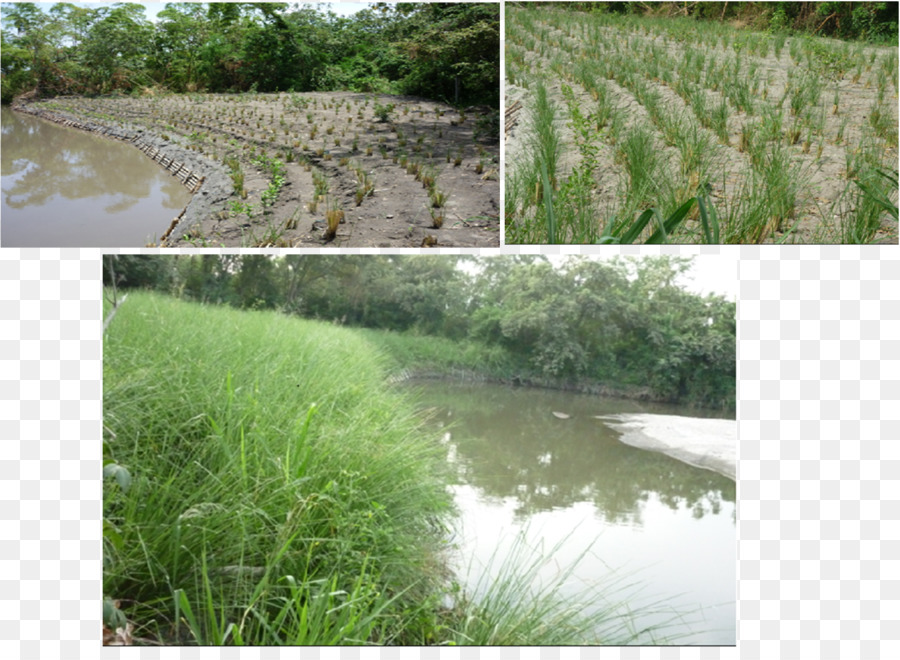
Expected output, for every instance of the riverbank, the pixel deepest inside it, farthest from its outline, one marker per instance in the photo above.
(280, 494)
(427, 357)
(704, 443)
(390, 171)
(208, 183)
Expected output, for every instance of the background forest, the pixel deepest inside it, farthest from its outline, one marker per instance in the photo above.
(446, 52)
(870, 21)
(624, 323)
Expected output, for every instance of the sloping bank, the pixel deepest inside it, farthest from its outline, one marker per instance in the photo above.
(208, 182)
(704, 443)
(428, 357)
(280, 494)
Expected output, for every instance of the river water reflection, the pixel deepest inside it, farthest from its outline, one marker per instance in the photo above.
(63, 187)
(647, 518)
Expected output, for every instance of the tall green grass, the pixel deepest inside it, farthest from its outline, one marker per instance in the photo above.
(267, 488)
(523, 574)
(277, 484)
(530, 187)
(439, 355)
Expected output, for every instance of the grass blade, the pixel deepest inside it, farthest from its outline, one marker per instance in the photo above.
(660, 235)
(548, 204)
(710, 222)
(635, 230)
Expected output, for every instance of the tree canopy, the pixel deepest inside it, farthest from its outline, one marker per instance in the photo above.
(624, 321)
(444, 51)
(871, 21)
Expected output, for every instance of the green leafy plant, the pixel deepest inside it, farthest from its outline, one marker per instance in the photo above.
(664, 227)
(879, 196)
(383, 111)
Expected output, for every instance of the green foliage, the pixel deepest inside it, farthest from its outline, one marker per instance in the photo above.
(621, 322)
(456, 50)
(627, 234)
(881, 195)
(136, 271)
(276, 501)
(443, 51)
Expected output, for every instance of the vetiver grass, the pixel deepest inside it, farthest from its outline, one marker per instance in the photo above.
(645, 55)
(275, 480)
(280, 493)
(498, 617)
(531, 185)
(641, 161)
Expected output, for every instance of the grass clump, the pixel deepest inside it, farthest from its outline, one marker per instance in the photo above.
(514, 599)
(237, 176)
(280, 493)
(334, 216)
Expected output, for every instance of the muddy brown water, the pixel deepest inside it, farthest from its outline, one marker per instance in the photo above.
(62, 187)
(648, 520)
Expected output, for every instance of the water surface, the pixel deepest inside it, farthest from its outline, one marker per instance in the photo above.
(645, 519)
(63, 187)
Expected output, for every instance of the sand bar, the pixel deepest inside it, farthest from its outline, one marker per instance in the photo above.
(705, 443)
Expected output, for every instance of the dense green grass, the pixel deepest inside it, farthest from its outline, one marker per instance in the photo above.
(424, 354)
(277, 492)
(272, 474)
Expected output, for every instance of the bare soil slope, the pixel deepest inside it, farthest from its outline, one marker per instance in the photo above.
(326, 143)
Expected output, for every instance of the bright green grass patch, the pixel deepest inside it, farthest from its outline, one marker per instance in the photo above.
(266, 488)
(272, 476)
(440, 355)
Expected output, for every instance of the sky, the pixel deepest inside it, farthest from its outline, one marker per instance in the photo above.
(714, 273)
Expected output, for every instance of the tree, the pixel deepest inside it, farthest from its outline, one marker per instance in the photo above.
(133, 271)
(180, 35)
(26, 54)
(254, 285)
(455, 51)
(116, 46)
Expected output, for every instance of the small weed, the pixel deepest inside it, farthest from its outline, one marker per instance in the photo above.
(383, 112)
(438, 198)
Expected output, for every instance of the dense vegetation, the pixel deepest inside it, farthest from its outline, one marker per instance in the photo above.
(265, 487)
(446, 52)
(662, 128)
(623, 323)
(871, 21)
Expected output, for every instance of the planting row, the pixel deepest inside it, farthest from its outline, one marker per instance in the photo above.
(326, 168)
(730, 135)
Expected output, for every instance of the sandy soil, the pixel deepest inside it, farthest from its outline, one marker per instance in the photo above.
(705, 443)
(331, 133)
(824, 176)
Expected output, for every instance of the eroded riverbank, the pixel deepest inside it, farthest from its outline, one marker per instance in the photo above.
(398, 171)
(64, 187)
(208, 183)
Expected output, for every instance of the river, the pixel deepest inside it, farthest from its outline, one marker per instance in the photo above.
(63, 187)
(642, 518)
